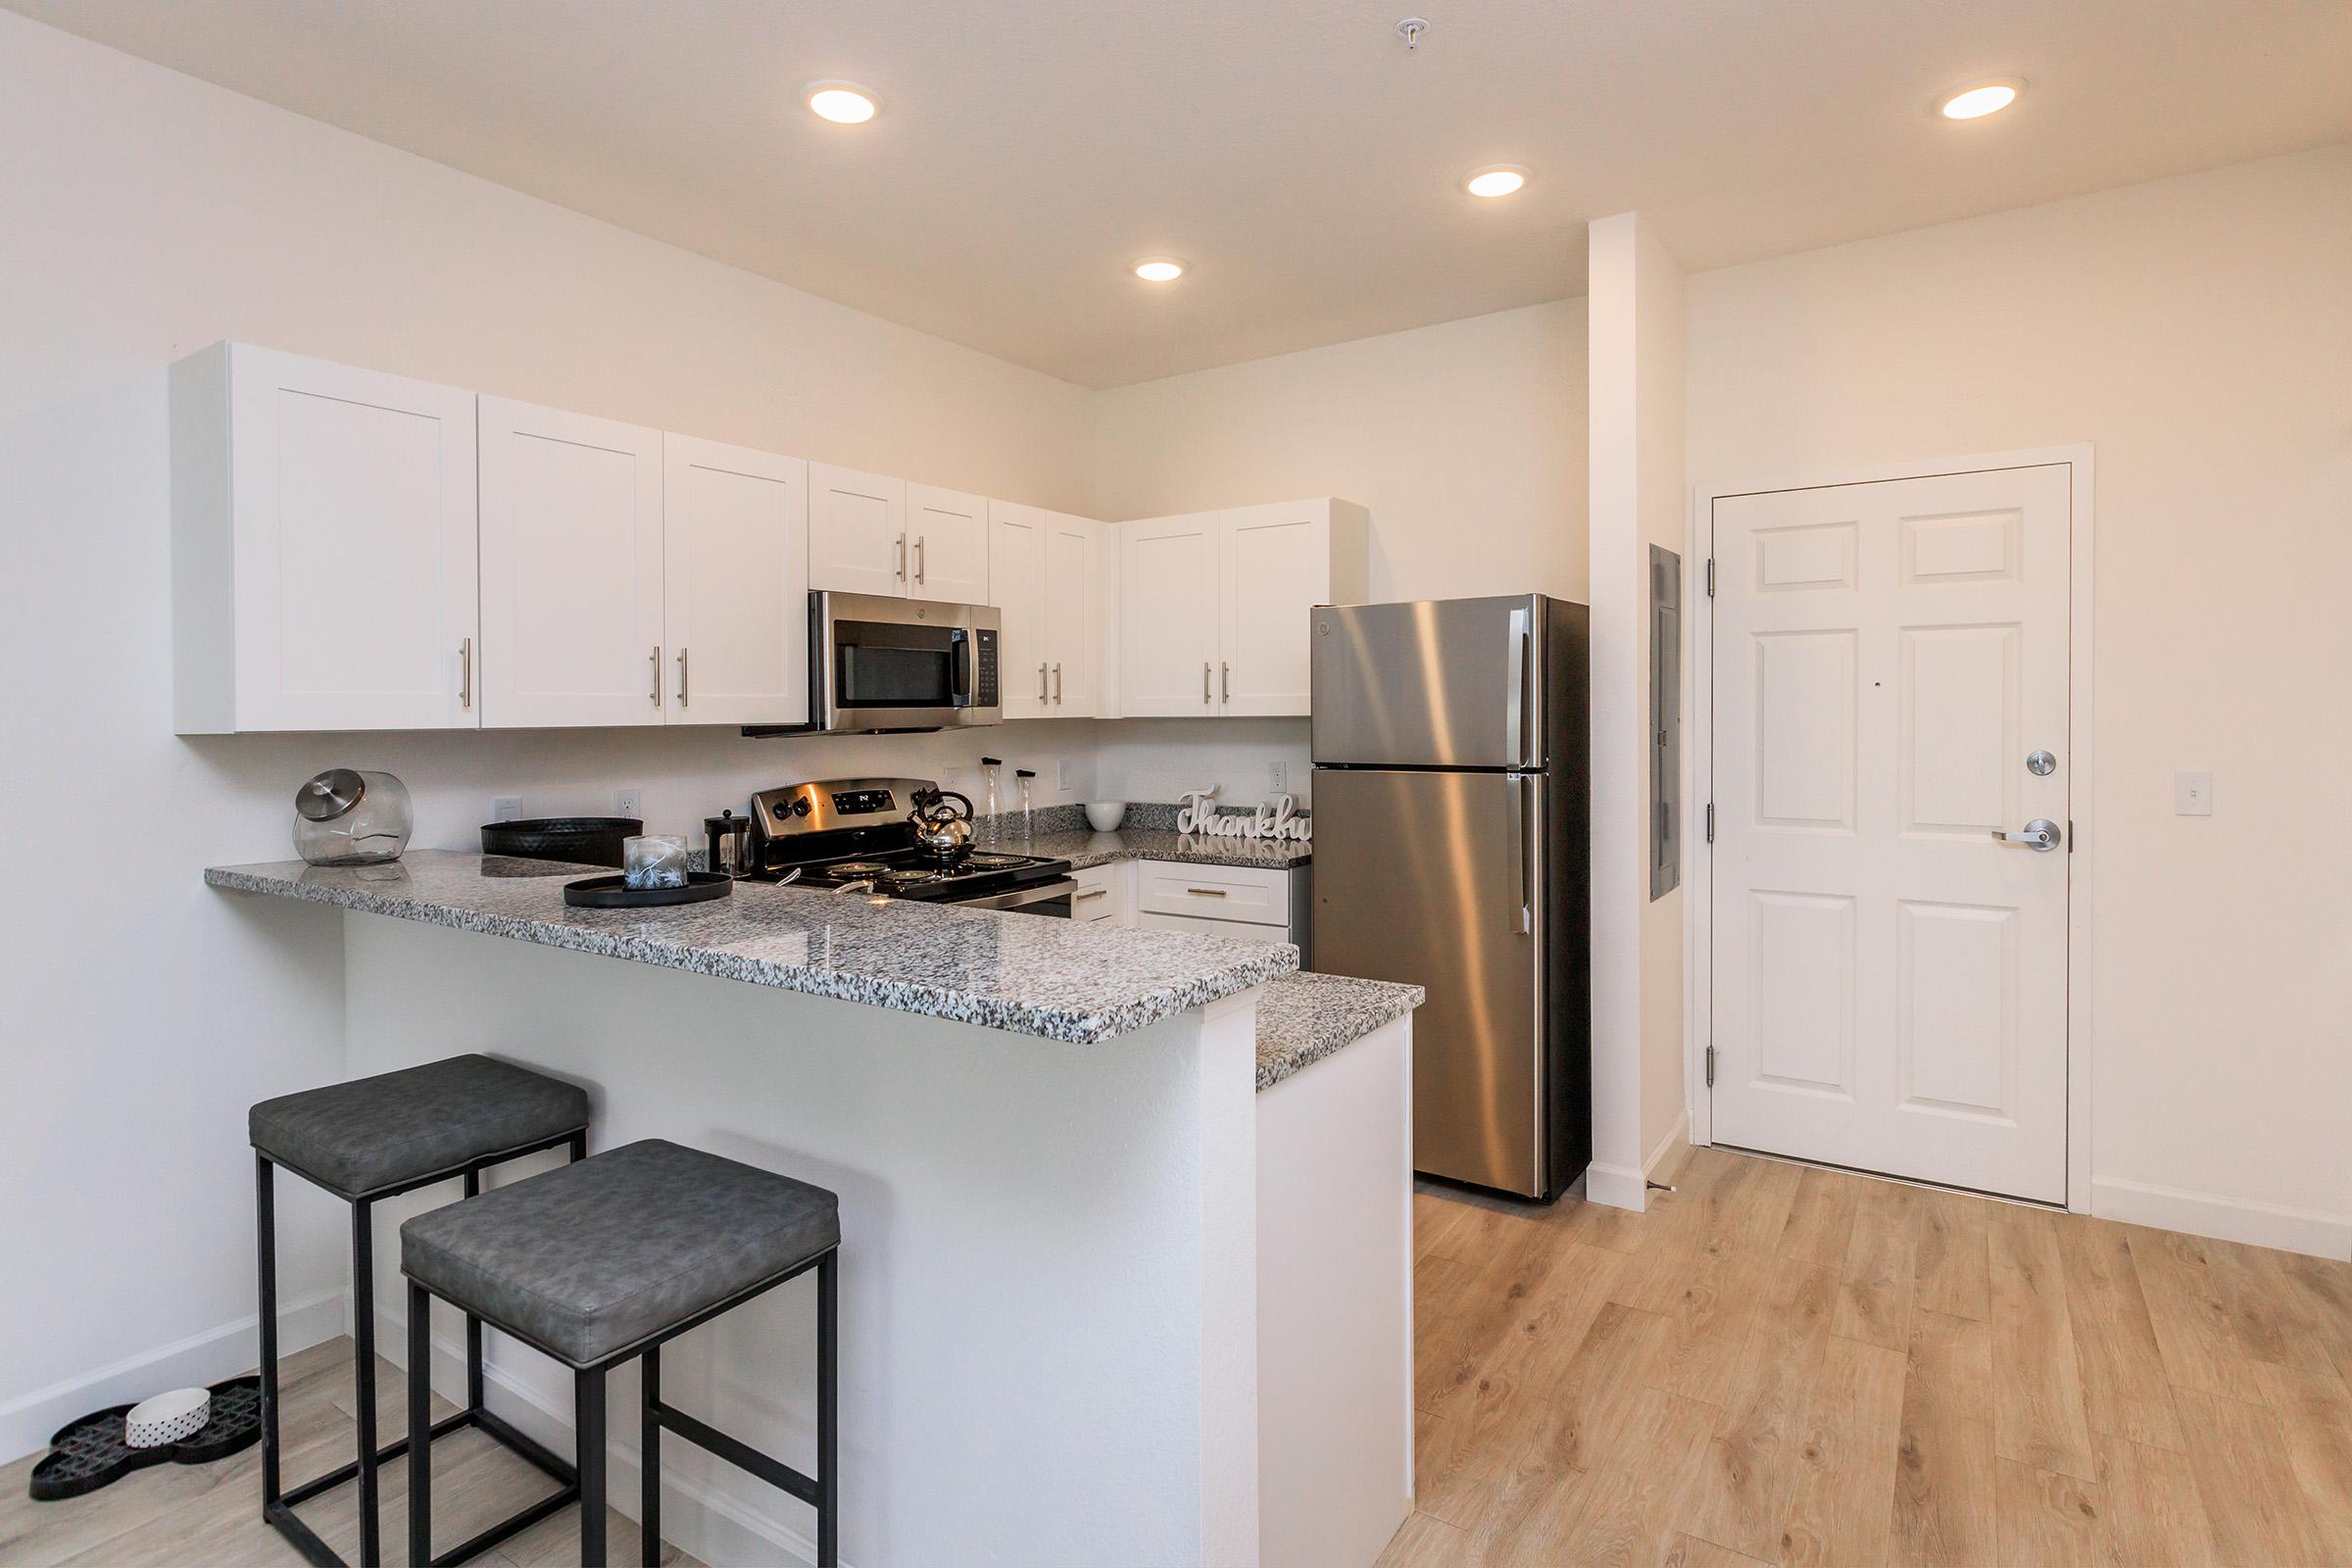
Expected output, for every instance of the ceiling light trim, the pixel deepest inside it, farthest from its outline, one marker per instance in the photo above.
(1163, 269)
(842, 92)
(1967, 96)
(1504, 180)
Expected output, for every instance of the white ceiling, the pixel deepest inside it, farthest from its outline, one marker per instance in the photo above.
(1292, 150)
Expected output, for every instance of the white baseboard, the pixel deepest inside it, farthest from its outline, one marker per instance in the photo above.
(27, 1422)
(1620, 1186)
(707, 1525)
(2229, 1219)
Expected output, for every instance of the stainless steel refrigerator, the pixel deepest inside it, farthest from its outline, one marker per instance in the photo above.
(1451, 810)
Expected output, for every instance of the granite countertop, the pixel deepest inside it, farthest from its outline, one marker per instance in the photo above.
(1023, 973)
(1303, 1017)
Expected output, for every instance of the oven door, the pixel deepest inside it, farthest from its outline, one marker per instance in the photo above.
(1051, 899)
(902, 663)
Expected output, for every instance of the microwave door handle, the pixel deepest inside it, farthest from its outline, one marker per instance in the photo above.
(959, 642)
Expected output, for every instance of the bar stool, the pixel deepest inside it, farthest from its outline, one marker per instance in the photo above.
(371, 1139)
(605, 1261)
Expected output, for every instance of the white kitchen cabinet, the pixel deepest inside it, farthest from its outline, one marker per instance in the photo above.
(571, 569)
(1167, 610)
(1204, 926)
(1045, 578)
(323, 547)
(856, 532)
(1074, 615)
(1213, 607)
(1105, 893)
(735, 584)
(947, 545)
(1255, 895)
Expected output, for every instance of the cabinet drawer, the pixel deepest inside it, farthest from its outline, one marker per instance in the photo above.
(1244, 894)
(1201, 926)
(1098, 895)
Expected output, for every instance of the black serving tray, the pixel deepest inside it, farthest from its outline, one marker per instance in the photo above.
(613, 893)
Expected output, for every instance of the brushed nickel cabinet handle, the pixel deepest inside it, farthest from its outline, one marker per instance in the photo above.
(1226, 681)
(682, 678)
(1204, 697)
(656, 661)
(901, 568)
(1206, 893)
(920, 542)
(1041, 685)
(1084, 894)
(1057, 680)
(465, 673)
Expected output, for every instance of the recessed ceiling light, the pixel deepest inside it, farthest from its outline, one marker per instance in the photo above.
(1985, 98)
(1159, 268)
(845, 103)
(1496, 180)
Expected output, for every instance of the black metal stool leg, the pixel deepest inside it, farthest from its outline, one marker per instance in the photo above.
(473, 1325)
(828, 1411)
(265, 1226)
(588, 1405)
(648, 1502)
(363, 1367)
(421, 1426)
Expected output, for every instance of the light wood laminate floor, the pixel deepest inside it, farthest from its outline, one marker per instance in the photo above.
(176, 1516)
(1778, 1364)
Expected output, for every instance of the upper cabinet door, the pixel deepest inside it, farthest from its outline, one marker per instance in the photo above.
(1017, 575)
(735, 584)
(571, 569)
(1073, 596)
(1168, 615)
(947, 535)
(858, 540)
(324, 547)
(1275, 563)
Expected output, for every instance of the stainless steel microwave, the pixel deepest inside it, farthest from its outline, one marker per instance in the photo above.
(877, 664)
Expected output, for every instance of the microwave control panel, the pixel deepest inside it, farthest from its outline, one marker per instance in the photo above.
(984, 668)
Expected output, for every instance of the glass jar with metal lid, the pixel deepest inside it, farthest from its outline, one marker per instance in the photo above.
(351, 816)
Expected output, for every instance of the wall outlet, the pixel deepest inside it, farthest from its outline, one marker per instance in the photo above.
(1278, 778)
(626, 803)
(950, 778)
(506, 808)
(2193, 793)
(1061, 775)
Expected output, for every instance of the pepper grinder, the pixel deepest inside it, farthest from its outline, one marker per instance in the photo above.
(1028, 812)
(989, 768)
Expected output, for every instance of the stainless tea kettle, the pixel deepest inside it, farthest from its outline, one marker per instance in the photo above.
(940, 829)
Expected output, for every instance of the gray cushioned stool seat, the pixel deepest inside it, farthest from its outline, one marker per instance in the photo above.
(377, 1132)
(590, 1258)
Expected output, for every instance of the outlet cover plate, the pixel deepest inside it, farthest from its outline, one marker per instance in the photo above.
(2193, 793)
(506, 808)
(627, 802)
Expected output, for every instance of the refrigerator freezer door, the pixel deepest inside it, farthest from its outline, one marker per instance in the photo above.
(1438, 683)
(1436, 879)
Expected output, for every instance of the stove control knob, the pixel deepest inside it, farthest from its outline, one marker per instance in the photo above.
(800, 805)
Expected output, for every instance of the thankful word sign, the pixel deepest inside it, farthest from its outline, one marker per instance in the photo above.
(1277, 819)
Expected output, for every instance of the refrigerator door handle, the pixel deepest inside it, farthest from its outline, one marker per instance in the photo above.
(1522, 830)
(1514, 717)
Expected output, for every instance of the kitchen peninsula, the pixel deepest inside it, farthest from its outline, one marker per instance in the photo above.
(1104, 1299)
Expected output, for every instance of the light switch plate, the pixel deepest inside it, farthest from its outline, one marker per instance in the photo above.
(625, 802)
(2193, 793)
(1061, 775)
(506, 808)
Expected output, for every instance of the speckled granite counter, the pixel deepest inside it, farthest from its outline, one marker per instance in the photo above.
(1023, 973)
(1301, 1019)
(1084, 848)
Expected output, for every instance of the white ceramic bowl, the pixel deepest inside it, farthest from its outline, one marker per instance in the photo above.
(1105, 816)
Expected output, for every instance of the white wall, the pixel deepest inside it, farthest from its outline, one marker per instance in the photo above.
(149, 215)
(1464, 440)
(1638, 499)
(2197, 330)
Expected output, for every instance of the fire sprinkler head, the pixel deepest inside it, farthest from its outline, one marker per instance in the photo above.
(1410, 30)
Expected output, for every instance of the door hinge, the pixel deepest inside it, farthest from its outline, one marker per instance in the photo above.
(1710, 1067)
(1710, 576)
(1710, 822)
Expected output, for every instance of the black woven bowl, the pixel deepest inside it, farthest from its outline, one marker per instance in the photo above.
(580, 839)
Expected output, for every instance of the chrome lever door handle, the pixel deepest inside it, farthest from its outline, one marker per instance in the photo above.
(2040, 835)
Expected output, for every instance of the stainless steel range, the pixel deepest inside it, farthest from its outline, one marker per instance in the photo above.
(894, 837)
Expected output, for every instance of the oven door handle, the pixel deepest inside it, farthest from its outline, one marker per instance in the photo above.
(1040, 893)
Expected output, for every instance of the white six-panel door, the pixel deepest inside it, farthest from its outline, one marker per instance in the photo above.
(735, 584)
(571, 569)
(1889, 978)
